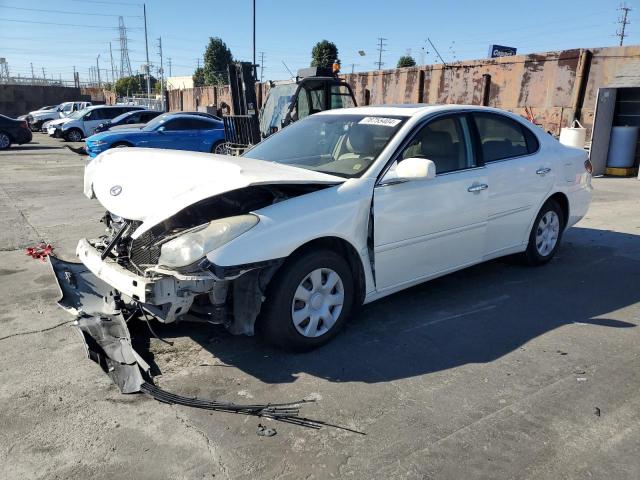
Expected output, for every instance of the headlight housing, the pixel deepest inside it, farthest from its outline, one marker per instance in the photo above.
(195, 244)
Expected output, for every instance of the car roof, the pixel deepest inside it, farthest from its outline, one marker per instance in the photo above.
(406, 109)
(133, 107)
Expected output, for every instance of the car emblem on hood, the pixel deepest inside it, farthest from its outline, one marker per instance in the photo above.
(115, 190)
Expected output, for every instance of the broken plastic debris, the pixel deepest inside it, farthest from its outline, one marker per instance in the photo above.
(581, 379)
(265, 431)
(40, 251)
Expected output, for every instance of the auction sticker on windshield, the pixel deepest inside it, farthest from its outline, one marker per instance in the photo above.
(384, 121)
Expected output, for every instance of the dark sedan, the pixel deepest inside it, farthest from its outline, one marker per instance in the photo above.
(13, 131)
(128, 119)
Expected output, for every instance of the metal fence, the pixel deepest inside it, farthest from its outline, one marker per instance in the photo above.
(152, 102)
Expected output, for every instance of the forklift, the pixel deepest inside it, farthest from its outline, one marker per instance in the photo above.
(314, 90)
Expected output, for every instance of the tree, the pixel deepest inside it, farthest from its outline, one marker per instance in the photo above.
(406, 61)
(324, 53)
(134, 84)
(198, 77)
(217, 58)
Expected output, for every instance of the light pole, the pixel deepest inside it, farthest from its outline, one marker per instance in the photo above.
(98, 70)
(255, 68)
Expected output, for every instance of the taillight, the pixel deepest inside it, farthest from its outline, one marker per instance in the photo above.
(588, 167)
(24, 124)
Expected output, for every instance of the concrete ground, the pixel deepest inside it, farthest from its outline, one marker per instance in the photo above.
(499, 371)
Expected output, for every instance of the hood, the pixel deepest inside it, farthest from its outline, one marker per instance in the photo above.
(111, 136)
(59, 121)
(151, 185)
(45, 113)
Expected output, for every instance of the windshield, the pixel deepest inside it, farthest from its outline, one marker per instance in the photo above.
(122, 116)
(78, 113)
(276, 107)
(155, 123)
(344, 145)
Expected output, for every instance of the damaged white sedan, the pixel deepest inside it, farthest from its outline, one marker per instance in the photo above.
(339, 209)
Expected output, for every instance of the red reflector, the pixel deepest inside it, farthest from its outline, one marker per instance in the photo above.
(588, 167)
(24, 124)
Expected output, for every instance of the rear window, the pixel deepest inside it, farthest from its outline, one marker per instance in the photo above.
(503, 138)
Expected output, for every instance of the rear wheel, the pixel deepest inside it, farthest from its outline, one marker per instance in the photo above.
(220, 148)
(73, 135)
(5, 141)
(308, 301)
(545, 236)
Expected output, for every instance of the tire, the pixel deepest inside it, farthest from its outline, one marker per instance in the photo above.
(73, 135)
(546, 234)
(219, 147)
(299, 325)
(5, 141)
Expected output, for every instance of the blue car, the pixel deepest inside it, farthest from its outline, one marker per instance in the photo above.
(176, 131)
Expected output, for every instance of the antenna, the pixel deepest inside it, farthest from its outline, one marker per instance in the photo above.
(380, 63)
(437, 53)
(285, 66)
(623, 22)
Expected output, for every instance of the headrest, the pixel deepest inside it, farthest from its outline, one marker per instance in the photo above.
(360, 139)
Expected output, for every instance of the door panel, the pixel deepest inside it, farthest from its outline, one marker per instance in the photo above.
(514, 197)
(425, 227)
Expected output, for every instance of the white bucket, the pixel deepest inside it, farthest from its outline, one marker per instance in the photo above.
(573, 136)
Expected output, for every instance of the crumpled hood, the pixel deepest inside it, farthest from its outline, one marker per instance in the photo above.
(150, 185)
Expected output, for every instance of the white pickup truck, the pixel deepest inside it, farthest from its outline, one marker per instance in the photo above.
(37, 118)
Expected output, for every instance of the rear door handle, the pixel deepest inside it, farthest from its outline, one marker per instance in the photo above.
(543, 171)
(478, 187)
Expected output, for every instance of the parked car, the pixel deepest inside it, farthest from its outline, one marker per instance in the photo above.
(13, 131)
(46, 108)
(134, 119)
(176, 131)
(82, 124)
(38, 117)
(342, 208)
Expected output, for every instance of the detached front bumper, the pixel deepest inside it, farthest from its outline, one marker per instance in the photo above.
(165, 296)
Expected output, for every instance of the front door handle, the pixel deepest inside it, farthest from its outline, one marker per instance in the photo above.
(543, 171)
(478, 187)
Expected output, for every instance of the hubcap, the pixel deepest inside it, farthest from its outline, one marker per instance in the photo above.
(74, 136)
(317, 302)
(4, 140)
(547, 233)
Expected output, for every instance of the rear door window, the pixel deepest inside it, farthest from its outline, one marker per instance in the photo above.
(503, 138)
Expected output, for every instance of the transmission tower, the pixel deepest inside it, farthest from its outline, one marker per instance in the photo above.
(623, 22)
(125, 63)
(4, 69)
(380, 63)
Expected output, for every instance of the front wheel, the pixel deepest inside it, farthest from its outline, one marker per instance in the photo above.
(5, 141)
(73, 135)
(308, 301)
(545, 236)
(220, 148)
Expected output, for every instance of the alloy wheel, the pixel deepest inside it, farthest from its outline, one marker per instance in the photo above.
(74, 136)
(5, 141)
(317, 302)
(547, 233)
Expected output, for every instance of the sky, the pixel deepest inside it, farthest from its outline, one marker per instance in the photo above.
(64, 34)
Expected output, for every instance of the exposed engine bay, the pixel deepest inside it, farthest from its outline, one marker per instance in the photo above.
(231, 296)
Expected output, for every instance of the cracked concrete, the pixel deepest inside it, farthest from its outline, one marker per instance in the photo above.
(474, 375)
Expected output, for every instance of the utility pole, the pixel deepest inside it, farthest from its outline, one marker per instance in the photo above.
(146, 46)
(623, 22)
(169, 62)
(261, 65)
(161, 72)
(255, 68)
(198, 63)
(113, 70)
(44, 76)
(33, 75)
(380, 50)
(98, 70)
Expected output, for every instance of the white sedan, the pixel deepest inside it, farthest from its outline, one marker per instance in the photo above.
(342, 208)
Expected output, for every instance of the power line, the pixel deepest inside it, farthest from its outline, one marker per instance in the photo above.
(623, 22)
(66, 12)
(60, 24)
(380, 63)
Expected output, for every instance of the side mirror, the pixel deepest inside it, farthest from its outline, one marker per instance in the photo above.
(415, 168)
